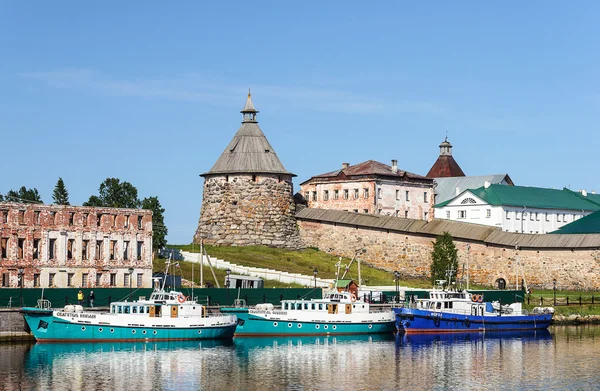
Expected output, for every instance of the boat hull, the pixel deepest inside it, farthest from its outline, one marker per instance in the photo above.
(424, 321)
(46, 327)
(257, 325)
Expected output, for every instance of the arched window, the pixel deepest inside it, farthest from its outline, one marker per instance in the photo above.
(468, 201)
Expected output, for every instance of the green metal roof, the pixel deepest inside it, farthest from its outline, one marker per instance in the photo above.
(343, 283)
(533, 197)
(589, 224)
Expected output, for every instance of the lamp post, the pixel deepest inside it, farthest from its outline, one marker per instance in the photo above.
(468, 255)
(554, 284)
(315, 274)
(21, 273)
(397, 280)
(130, 275)
(228, 272)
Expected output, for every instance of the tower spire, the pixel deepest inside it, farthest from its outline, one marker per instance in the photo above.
(249, 112)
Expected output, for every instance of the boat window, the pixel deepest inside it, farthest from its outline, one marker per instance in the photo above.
(313, 306)
(320, 306)
(120, 309)
(126, 309)
(305, 306)
(439, 305)
(134, 310)
(298, 306)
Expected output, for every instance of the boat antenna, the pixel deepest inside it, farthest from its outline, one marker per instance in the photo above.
(168, 265)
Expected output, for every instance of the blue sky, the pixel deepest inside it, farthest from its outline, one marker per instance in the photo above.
(150, 92)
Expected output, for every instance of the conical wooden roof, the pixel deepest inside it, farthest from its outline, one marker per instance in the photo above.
(248, 152)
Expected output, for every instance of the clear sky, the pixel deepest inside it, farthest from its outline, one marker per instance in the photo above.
(150, 91)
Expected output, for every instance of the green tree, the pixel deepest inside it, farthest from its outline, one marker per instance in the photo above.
(159, 230)
(60, 195)
(115, 194)
(444, 258)
(24, 195)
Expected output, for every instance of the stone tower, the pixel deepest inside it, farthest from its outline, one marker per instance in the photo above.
(445, 165)
(248, 194)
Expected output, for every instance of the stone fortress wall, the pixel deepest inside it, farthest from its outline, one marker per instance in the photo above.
(405, 245)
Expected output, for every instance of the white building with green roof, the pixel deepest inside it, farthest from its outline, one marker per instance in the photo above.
(521, 209)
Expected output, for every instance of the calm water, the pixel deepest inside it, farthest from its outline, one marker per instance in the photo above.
(566, 358)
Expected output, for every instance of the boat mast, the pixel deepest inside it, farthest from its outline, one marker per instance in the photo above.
(168, 265)
(201, 257)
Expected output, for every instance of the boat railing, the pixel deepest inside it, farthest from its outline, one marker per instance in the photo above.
(44, 304)
(468, 312)
(239, 303)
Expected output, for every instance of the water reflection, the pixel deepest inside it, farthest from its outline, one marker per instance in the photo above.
(564, 358)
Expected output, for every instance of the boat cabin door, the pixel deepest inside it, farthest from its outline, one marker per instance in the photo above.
(152, 311)
(348, 308)
(174, 309)
(332, 308)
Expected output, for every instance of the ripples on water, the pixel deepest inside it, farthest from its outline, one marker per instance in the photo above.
(566, 358)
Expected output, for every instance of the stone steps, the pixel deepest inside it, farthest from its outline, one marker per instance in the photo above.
(265, 274)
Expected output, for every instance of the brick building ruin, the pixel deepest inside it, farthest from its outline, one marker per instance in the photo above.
(248, 194)
(74, 246)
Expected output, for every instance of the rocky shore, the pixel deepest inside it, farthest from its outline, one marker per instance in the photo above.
(576, 319)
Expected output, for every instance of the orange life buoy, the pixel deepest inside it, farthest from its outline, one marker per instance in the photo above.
(474, 298)
(479, 298)
(352, 297)
(181, 298)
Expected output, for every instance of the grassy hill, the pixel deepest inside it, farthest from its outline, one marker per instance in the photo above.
(303, 262)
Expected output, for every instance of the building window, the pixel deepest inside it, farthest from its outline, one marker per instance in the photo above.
(70, 279)
(366, 210)
(531, 216)
(406, 214)
(113, 249)
(5, 279)
(518, 215)
(488, 213)
(126, 225)
(424, 215)
(406, 195)
(36, 217)
(425, 198)
(84, 279)
(99, 219)
(379, 193)
(126, 250)
(547, 217)
(507, 215)
(307, 196)
(70, 245)
(4, 247)
(447, 214)
(85, 245)
(52, 249)
(140, 222)
(325, 195)
(126, 279)
(355, 194)
(21, 248)
(140, 247)
(36, 248)
(99, 249)
(51, 279)
(36, 279)
(366, 192)
(139, 280)
(3, 216)
(468, 200)
(71, 218)
(98, 279)
(53, 217)
(397, 195)
(462, 214)
(564, 217)
(345, 194)
(314, 194)
(85, 219)
(336, 194)
(558, 217)
(113, 279)
(21, 217)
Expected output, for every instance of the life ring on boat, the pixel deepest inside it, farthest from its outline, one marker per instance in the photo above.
(474, 298)
(181, 298)
(352, 297)
(479, 298)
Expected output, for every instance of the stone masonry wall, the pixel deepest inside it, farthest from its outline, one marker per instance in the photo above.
(245, 209)
(410, 254)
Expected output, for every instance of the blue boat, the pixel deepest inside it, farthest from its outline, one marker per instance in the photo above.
(338, 313)
(447, 311)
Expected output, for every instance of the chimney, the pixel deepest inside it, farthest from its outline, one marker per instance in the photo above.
(457, 190)
(583, 192)
(345, 165)
(394, 166)
(593, 192)
(486, 184)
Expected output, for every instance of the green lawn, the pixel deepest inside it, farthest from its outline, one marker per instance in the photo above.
(303, 262)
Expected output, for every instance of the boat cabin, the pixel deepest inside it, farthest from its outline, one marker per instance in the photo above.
(333, 302)
(161, 304)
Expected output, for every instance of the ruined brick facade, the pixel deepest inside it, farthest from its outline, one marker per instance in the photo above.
(74, 246)
(248, 194)
(373, 188)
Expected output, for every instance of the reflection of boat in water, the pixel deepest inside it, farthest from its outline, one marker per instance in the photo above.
(460, 311)
(416, 339)
(259, 342)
